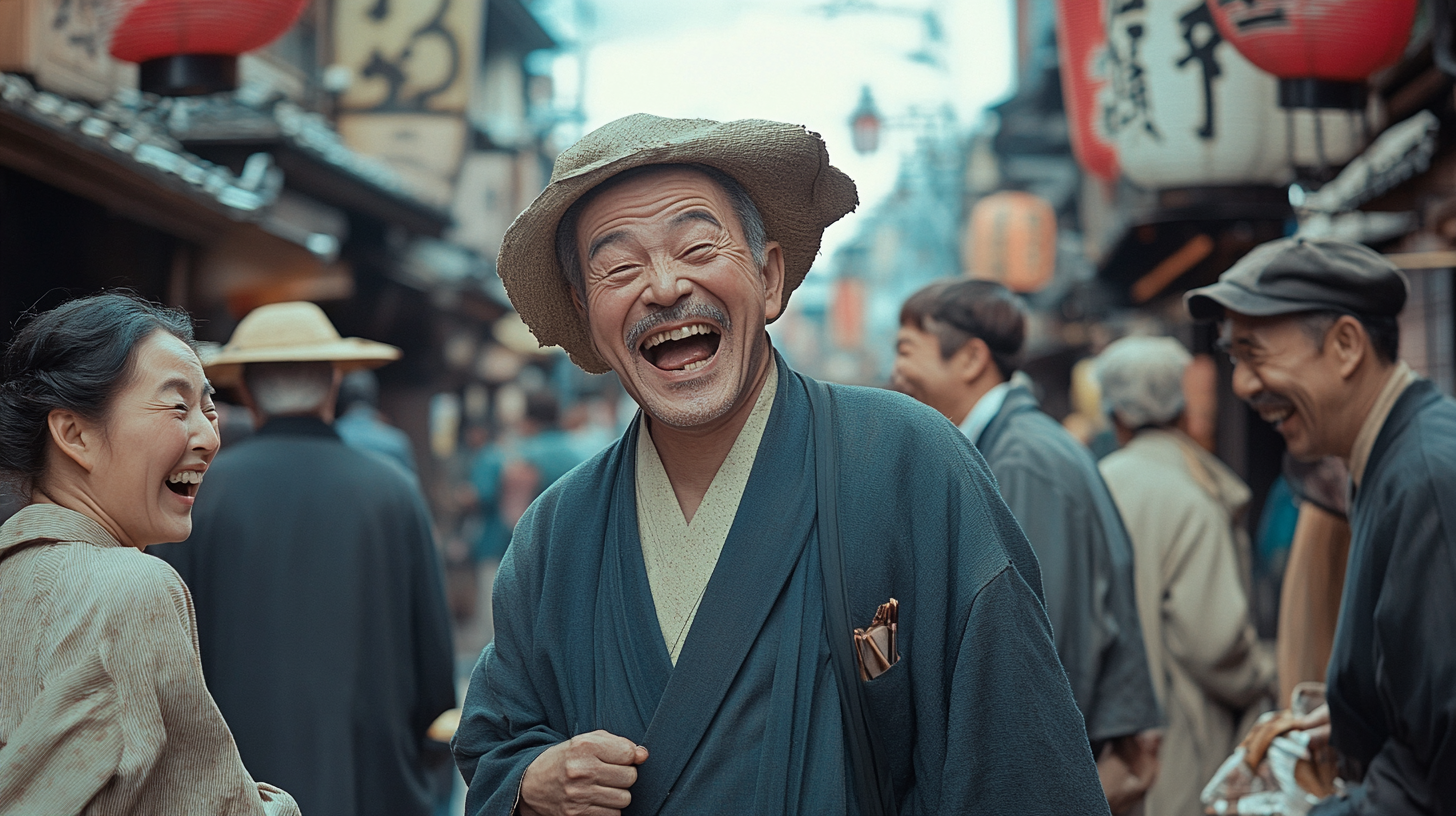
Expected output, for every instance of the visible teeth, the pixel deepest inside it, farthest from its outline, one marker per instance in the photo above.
(695, 366)
(676, 334)
(185, 477)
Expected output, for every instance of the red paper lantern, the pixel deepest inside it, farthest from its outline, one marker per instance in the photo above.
(1323, 51)
(188, 47)
(1013, 239)
(1081, 39)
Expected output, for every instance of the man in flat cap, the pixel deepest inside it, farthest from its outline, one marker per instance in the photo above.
(321, 616)
(675, 618)
(1311, 326)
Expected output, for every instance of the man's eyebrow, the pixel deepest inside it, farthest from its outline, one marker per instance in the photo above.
(696, 215)
(609, 238)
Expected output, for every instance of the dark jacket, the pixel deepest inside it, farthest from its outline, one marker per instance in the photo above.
(1053, 487)
(321, 617)
(1392, 676)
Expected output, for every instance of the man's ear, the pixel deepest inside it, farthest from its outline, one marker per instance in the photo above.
(969, 361)
(1349, 343)
(76, 437)
(773, 280)
(576, 301)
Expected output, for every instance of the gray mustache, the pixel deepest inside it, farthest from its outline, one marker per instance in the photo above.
(673, 314)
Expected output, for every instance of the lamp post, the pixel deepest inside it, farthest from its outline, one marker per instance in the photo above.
(865, 124)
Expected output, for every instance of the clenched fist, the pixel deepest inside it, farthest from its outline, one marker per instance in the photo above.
(587, 775)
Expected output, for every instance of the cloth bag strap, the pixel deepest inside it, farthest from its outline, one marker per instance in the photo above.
(872, 783)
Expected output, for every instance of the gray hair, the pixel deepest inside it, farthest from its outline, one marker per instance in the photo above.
(743, 207)
(1142, 380)
(282, 389)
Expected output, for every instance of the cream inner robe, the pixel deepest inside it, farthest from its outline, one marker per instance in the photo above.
(680, 557)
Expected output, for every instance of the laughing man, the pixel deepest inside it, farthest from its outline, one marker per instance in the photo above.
(1312, 329)
(661, 639)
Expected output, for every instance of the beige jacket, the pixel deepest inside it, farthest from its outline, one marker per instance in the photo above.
(1181, 507)
(103, 709)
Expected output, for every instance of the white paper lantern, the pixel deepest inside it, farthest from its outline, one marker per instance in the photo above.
(1186, 109)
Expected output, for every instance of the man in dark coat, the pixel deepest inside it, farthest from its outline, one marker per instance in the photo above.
(662, 644)
(320, 605)
(956, 351)
(1311, 326)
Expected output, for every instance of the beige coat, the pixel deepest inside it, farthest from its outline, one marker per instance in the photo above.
(1181, 507)
(103, 709)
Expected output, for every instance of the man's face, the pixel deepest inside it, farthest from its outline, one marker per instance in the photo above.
(921, 371)
(674, 301)
(1287, 377)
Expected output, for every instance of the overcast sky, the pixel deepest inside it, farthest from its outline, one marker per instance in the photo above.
(796, 61)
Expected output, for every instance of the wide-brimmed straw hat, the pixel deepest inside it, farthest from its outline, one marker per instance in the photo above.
(294, 332)
(784, 168)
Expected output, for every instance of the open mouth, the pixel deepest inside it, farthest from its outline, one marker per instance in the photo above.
(184, 483)
(686, 348)
(1276, 416)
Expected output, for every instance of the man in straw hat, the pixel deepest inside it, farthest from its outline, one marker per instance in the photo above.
(1312, 328)
(320, 606)
(663, 642)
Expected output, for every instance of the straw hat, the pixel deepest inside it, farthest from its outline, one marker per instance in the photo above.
(295, 332)
(784, 168)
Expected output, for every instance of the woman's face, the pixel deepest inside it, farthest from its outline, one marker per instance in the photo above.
(160, 436)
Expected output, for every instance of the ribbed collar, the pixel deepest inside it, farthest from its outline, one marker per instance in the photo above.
(297, 426)
(52, 522)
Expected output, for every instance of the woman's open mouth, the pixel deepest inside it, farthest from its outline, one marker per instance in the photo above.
(184, 483)
(686, 348)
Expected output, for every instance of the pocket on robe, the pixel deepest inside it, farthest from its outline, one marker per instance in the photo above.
(890, 701)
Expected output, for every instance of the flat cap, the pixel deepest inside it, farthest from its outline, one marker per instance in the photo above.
(1302, 275)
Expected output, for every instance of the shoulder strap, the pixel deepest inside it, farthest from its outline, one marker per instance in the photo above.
(872, 783)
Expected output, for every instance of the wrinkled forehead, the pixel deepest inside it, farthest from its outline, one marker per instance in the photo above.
(654, 187)
(1249, 330)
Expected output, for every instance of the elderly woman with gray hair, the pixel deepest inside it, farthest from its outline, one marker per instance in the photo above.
(1182, 508)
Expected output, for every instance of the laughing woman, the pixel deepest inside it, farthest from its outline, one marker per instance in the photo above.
(107, 426)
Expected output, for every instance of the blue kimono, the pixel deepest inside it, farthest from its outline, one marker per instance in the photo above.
(976, 717)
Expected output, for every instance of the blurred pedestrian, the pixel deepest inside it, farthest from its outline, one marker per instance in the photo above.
(1314, 578)
(1184, 511)
(362, 427)
(1312, 328)
(107, 428)
(320, 606)
(956, 351)
(661, 613)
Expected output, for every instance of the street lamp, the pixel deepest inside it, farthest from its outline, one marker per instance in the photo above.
(865, 124)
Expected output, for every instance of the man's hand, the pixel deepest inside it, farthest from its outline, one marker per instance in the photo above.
(1317, 723)
(1128, 767)
(587, 775)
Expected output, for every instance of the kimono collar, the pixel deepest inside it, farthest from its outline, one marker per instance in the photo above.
(51, 522)
(297, 426)
(1399, 380)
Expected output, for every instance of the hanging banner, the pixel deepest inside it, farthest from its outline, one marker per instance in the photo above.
(413, 66)
(62, 45)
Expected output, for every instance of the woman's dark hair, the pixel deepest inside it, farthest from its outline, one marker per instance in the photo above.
(75, 357)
